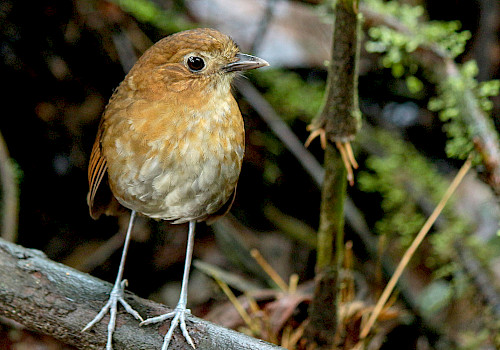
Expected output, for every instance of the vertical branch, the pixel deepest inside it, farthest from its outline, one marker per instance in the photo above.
(332, 210)
(337, 124)
(323, 310)
(340, 116)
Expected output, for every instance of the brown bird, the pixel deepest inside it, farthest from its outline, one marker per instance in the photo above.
(170, 146)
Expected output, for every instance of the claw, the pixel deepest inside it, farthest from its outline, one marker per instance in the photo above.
(178, 320)
(115, 297)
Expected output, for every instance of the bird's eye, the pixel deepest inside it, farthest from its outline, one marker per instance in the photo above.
(195, 63)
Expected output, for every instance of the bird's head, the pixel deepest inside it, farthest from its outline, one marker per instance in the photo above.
(196, 60)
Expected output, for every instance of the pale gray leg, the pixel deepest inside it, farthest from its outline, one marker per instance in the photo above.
(116, 294)
(179, 314)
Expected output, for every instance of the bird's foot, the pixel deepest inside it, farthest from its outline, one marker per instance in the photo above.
(115, 296)
(178, 317)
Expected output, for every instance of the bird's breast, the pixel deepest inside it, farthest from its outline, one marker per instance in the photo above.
(172, 161)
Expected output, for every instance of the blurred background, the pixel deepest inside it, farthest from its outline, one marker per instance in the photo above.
(61, 60)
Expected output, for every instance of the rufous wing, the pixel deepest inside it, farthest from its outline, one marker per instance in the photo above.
(100, 198)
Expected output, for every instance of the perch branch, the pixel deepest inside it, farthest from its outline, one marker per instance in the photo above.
(56, 300)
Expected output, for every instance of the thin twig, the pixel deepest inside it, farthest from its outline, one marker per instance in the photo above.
(269, 270)
(10, 198)
(293, 283)
(125, 50)
(99, 256)
(413, 247)
(237, 305)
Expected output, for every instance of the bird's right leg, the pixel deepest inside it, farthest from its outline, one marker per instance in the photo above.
(180, 313)
(116, 294)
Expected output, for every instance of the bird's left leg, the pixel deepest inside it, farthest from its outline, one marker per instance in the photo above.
(117, 293)
(178, 316)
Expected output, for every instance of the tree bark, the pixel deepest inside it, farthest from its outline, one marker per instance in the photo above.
(56, 300)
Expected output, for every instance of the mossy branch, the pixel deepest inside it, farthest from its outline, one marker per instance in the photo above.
(337, 123)
(331, 225)
(340, 116)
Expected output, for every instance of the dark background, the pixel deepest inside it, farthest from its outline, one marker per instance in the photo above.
(58, 67)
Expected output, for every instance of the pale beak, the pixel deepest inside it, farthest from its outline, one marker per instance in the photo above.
(245, 62)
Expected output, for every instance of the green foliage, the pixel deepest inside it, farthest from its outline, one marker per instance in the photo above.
(407, 181)
(396, 44)
(456, 94)
(147, 11)
(414, 84)
(290, 95)
(443, 242)
(402, 218)
(271, 171)
(450, 105)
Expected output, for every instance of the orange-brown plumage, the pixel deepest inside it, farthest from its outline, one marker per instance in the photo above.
(170, 146)
(171, 140)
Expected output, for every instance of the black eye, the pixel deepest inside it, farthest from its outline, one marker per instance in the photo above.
(195, 63)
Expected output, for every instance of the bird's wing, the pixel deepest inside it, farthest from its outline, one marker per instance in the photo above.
(96, 172)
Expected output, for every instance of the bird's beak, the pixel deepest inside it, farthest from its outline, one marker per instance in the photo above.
(245, 62)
